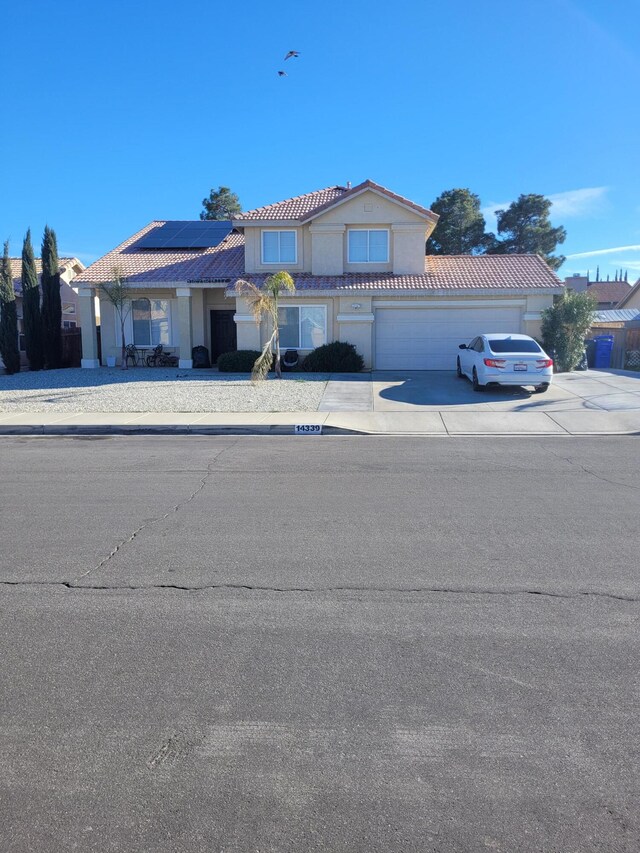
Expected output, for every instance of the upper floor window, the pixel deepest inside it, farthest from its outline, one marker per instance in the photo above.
(279, 247)
(368, 246)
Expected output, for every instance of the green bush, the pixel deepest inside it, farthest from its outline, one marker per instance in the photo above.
(337, 357)
(239, 361)
(564, 327)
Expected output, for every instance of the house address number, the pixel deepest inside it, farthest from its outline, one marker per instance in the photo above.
(307, 429)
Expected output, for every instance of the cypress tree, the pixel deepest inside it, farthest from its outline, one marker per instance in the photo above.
(8, 317)
(51, 304)
(31, 307)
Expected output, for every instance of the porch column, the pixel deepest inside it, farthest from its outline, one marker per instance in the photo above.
(89, 334)
(185, 326)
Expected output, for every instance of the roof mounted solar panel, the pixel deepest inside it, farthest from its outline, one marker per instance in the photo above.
(186, 235)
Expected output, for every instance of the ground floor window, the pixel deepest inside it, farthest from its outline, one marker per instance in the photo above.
(151, 320)
(303, 326)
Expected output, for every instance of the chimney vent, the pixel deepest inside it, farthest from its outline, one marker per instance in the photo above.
(348, 185)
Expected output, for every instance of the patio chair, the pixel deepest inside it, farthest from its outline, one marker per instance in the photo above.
(131, 355)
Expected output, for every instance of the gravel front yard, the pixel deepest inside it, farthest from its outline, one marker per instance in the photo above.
(156, 390)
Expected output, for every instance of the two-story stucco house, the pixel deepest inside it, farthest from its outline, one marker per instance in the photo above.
(356, 255)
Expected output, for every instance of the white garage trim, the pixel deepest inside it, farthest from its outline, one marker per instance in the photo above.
(421, 338)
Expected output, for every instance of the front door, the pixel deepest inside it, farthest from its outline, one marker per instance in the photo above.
(223, 333)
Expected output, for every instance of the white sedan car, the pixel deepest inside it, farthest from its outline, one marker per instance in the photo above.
(505, 360)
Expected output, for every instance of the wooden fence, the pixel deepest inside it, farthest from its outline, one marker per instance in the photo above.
(625, 339)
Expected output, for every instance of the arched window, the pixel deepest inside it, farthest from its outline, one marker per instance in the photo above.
(151, 322)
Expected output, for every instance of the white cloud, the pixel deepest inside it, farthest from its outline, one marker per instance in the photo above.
(628, 265)
(577, 202)
(567, 204)
(594, 252)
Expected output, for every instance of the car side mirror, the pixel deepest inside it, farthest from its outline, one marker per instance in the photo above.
(462, 346)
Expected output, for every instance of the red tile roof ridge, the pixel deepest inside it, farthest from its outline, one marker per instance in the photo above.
(369, 184)
(253, 212)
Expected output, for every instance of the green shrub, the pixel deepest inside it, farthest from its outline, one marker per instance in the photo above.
(564, 327)
(239, 361)
(337, 357)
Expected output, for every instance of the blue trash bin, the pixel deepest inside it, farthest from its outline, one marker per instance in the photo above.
(604, 348)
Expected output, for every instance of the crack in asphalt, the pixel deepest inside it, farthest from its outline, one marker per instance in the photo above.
(72, 585)
(579, 465)
(147, 524)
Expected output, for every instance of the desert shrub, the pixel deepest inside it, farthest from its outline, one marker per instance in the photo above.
(336, 357)
(238, 361)
(564, 327)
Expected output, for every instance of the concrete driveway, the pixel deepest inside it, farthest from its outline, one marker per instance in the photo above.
(434, 390)
(596, 402)
(442, 390)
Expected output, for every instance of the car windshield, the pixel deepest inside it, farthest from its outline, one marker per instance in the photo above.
(510, 345)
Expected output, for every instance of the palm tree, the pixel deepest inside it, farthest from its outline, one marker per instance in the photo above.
(263, 302)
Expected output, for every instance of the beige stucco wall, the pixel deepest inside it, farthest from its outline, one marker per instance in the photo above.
(355, 324)
(322, 245)
(634, 300)
(350, 318)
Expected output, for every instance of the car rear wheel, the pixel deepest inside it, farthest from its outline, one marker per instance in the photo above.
(540, 389)
(458, 369)
(474, 381)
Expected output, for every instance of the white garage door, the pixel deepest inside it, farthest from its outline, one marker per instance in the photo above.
(428, 338)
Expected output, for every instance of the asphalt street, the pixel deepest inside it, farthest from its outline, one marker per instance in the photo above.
(319, 644)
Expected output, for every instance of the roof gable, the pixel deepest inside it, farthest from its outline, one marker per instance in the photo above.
(306, 207)
(378, 189)
(625, 299)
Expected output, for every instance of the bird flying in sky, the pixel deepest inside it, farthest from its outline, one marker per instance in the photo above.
(294, 53)
(282, 74)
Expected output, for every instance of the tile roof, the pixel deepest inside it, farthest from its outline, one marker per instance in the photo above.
(294, 208)
(225, 263)
(16, 269)
(305, 207)
(609, 291)
(144, 266)
(442, 273)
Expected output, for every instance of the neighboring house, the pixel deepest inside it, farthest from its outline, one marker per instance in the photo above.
(356, 255)
(607, 293)
(631, 298)
(69, 269)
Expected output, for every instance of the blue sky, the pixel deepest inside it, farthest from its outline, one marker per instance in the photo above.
(124, 112)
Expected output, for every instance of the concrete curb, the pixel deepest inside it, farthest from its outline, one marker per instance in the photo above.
(165, 429)
(53, 430)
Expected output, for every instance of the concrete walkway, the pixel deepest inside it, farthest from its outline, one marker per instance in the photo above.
(414, 403)
(442, 423)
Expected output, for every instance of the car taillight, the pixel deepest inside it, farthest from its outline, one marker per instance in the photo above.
(495, 362)
(544, 362)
